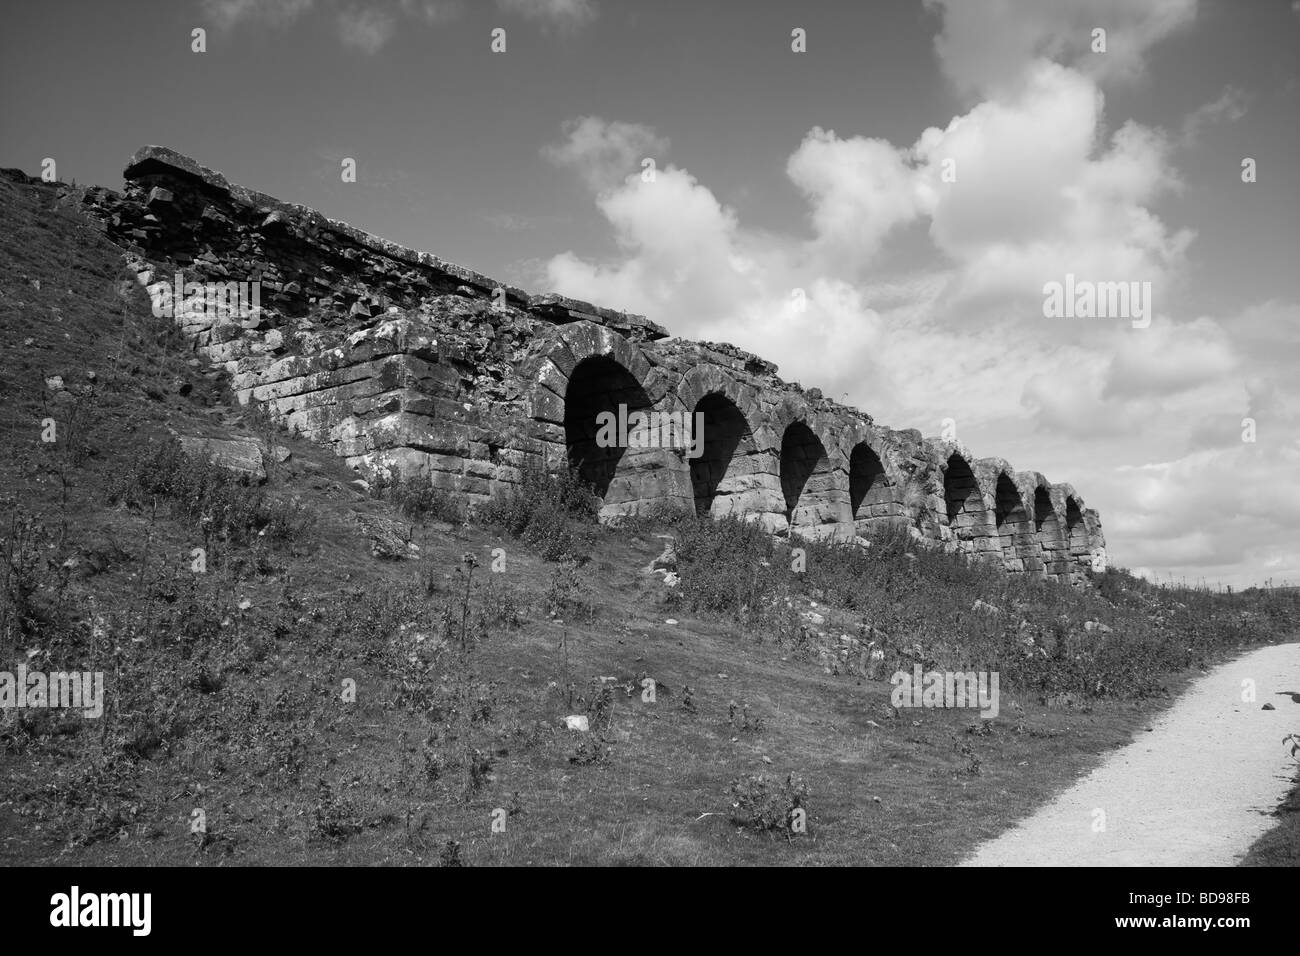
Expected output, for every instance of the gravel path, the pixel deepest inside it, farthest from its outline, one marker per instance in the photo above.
(1194, 791)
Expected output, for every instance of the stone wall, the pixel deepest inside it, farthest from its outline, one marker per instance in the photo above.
(396, 358)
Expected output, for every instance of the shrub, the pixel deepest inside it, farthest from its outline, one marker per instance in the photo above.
(590, 752)
(553, 511)
(224, 505)
(757, 804)
(414, 496)
(565, 589)
(334, 818)
(729, 566)
(19, 577)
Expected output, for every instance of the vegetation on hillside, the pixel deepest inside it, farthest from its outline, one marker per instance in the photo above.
(276, 693)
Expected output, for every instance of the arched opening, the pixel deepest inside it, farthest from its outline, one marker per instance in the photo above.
(598, 389)
(1047, 527)
(1013, 525)
(725, 430)
(1043, 512)
(868, 487)
(1076, 535)
(965, 504)
(805, 475)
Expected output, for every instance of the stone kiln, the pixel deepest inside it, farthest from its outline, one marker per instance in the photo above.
(396, 358)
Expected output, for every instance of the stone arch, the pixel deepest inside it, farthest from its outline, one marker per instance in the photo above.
(583, 370)
(871, 491)
(547, 374)
(807, 479)
(599, 390)
(1076, 533)
(966, 511)
(724, 437)
(1014, 528)
(749, 484)
(1050, 533)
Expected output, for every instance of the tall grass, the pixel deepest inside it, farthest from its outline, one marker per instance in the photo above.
(225, 507)
(920, 605)
(552, 511)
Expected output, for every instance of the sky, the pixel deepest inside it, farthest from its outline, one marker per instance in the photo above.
(917, 175)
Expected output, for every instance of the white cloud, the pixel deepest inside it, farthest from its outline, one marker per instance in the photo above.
(561, 13)
(604, 154)
(1145, 422)
(228, 13)
(1169, 358)
(367, 29)
(1228, 107)
(985, 45)
(364, 26)
(859, 190)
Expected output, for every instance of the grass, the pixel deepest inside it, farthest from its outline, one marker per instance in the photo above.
(298, 701)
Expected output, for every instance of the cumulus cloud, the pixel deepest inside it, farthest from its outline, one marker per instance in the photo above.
(1034, 197)
(985, 45)
(859, 189)
(605, 154)
(1212, 513)
(680, 246)
(1031, 182)
(1169, 358)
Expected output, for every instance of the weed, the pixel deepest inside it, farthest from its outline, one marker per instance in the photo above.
(334, 818)
(758, 804)
(414, 496)
(552, 511)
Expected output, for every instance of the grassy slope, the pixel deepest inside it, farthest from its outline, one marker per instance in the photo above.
(238, 713)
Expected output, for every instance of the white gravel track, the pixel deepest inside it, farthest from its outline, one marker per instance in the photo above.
(1196, 790)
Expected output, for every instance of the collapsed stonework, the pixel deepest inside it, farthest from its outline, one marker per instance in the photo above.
(396, 358)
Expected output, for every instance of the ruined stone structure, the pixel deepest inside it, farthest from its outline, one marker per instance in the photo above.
(396, 358)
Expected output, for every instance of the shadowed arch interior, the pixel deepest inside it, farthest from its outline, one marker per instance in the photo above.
(804, 464)
(1043, 512)
(1047, 524)
(1012, 523)
(867, 483)
(725, 430)
(960, 492)
(598, 384)
(1075, 533)
(1008, 506)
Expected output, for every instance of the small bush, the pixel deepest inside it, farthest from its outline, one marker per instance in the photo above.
(498, 605)
(224, 505)
(729, 566)
(590, 753)
(20, 566)
(414, 496)
(565, 589)
(757, 804)
(552, 511)
(334, 819)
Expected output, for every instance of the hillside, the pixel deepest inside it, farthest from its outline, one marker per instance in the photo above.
(469, 635)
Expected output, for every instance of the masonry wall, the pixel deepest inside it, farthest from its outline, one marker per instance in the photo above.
(395, 357)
